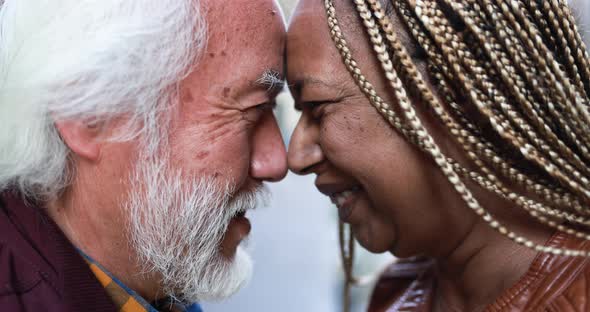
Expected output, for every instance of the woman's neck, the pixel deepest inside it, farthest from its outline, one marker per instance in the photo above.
(484, 265)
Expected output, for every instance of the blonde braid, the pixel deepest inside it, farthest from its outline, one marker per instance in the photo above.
(544, 210)
(556, 91)
(415, 126)
(550, 105)
(453, 128)
(536, 208)
(556, 196)
(463, 138)
(525, 102)
(456, 53)
(581, 54)
(534, 113)
(541, 20)
(555, 12)
(566, 94)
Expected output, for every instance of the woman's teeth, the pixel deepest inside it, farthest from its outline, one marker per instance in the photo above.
(340, 198)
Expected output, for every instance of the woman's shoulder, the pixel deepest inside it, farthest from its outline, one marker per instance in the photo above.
(552, 282)
(404, 282)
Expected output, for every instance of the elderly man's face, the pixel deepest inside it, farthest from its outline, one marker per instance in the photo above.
(225, 128)
(185, 202)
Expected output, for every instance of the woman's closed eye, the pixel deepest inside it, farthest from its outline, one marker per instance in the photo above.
(317, 108)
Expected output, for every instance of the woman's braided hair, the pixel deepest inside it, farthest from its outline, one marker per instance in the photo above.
(512, 82)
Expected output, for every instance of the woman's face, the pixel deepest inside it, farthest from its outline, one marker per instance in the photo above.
(392, 194)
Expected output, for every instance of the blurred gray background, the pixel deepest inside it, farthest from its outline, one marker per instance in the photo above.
(294, 241)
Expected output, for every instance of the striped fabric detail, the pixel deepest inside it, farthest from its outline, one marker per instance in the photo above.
(127, 300)
(123, 300)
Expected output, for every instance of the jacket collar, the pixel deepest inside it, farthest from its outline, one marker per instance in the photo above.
(34, 236)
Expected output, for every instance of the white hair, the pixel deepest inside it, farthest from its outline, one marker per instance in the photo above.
(89, 60)
(581, 10)
(176, 226)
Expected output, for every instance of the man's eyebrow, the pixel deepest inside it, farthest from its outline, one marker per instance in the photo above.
(272, 81)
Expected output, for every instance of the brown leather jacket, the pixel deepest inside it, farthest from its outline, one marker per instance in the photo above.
(552, 283)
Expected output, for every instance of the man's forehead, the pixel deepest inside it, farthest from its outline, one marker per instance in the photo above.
(256, 26)
(245, 49)
(235, 14)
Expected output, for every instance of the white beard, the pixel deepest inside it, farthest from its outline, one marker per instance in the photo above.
(176, 227)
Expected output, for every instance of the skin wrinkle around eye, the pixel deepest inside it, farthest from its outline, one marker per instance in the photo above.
(251, 100)
(232, 118)
(314, 90)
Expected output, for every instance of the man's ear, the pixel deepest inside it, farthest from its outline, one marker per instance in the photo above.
(82, 139)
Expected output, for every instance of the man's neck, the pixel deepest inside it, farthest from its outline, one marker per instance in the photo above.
(81, 222)
(482, 267)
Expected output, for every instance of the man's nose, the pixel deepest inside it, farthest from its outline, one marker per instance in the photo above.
(269, 157)
(304, 149)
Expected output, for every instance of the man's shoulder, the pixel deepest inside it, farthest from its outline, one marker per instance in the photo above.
(23, 241)
(40, 270)
(17, 273)
(24, 280)
(22, 286)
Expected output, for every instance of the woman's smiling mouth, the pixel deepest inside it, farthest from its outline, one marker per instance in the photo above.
(344, 201)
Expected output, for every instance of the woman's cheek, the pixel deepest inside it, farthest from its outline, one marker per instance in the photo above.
(337, 135)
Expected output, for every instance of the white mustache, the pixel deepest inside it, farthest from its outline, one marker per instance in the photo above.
(177, 225)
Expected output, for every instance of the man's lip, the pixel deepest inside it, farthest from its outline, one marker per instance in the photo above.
(237, 230)
(241, 219)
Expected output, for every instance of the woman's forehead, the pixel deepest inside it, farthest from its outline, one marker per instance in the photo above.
(309, 39)
(309, 20)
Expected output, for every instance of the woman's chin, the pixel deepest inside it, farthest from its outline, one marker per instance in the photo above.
(372, 243)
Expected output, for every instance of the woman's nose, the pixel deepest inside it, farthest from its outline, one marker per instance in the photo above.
(304, 149)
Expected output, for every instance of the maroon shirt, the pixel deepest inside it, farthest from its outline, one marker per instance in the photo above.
(40, 270)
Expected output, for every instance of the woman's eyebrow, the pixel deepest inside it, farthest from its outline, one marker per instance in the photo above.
(299, 84)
